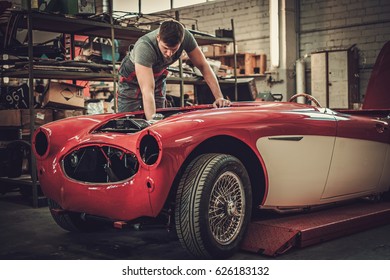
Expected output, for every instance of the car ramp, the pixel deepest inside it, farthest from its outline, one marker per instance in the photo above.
(275, 234)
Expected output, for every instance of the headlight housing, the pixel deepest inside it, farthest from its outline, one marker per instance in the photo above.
(41, 143)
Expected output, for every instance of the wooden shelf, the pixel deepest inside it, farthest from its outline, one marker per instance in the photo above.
(248, 64)
(22, 180)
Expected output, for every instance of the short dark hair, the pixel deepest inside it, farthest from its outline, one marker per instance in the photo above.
(171, 32)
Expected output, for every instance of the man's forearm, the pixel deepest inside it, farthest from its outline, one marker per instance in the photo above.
(149, 105)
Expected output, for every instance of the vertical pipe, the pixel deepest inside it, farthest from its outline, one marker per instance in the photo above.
(177, 16)
(327, 78)
(34, 180)
(235, 62)
(300, 78)
(114, 74)
(274, 33)
(298, 26)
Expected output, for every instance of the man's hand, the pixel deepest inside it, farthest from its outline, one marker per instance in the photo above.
(221, 102)
(155, 118)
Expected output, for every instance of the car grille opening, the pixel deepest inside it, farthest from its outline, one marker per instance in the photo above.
(100, 164)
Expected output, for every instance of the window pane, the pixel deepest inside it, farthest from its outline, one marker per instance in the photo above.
(125, 6)
(152, 6)
(183, 3)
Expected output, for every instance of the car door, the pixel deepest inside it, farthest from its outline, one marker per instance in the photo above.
(359, 156)
(297, 156)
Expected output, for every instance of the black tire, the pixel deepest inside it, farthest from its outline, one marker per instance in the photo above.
(72, 221)
(204, 186)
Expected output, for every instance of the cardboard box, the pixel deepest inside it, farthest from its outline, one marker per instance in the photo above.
(219, 50)
(208, 50)
(213, 50)
(108, 107)
(10, 117)
(21, 117)
(101, 95)
(42, 116)
(64, 96)
(59, 114)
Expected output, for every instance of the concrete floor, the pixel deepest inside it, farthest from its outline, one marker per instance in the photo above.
(31, 234)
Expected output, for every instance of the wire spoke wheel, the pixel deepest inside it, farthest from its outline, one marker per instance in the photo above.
(213, 205)
(226, 208)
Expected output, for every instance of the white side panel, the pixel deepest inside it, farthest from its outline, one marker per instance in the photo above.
(356, 167)
(384, 183)
(296, 170)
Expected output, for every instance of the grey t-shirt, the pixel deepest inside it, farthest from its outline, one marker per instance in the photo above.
(147, 53)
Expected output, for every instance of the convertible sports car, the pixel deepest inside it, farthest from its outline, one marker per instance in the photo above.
(206, 168)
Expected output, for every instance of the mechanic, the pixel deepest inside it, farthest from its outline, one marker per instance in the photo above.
(143, 71)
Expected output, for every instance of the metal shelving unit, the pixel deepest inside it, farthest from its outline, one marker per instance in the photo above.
(33, 20)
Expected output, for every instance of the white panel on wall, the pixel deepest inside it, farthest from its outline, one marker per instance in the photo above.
(338, 79)
(318, 77)
(334, 78)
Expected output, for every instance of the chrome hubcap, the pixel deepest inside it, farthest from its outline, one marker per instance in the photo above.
(226, 208)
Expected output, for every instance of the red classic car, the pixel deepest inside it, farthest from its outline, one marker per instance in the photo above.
(206, 168)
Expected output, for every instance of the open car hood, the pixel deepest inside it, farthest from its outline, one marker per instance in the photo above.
(378, 89)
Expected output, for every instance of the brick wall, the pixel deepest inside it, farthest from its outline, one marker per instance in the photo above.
(324, 24)
(329, 24)
(251, 24)
(251, 21)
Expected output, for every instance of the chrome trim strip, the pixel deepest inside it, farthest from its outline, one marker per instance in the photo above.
(287, 138)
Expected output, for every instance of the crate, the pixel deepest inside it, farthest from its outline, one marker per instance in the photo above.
(64, 96)
(246, 62)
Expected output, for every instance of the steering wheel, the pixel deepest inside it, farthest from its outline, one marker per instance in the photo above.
(307, 96)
